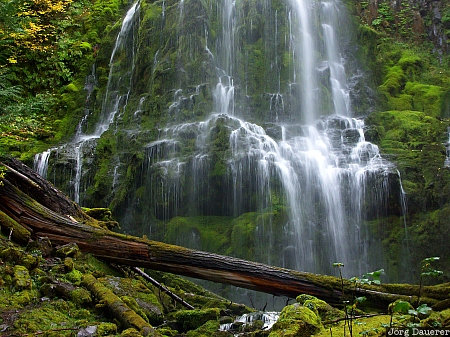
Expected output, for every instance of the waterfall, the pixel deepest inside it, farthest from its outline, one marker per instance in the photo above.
(323, 168)
(304, 60)
(115, 100)
(286, 151)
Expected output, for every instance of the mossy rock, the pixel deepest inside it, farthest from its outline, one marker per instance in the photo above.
(81, 297)
(22, 279)
(74, 276)
(16, 255)
(296, 321)
(50, 315)
(210, 328)
(68, 250)
(192, 319)
(321, 308)
(106, 329)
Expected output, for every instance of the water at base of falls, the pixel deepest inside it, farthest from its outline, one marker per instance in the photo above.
(240, 324)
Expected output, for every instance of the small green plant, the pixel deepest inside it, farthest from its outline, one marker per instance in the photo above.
(427, 270)
(340, 265)
(373, 277)
(398, 306)
(422, 310)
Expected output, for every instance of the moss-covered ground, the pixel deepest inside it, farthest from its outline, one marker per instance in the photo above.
(60, 291)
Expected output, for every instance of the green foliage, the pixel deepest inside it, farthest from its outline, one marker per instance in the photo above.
(427, 269)
(423, 309)
(399, 306)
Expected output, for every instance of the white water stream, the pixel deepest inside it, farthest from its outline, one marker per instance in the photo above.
(114, 101)
(320, 168)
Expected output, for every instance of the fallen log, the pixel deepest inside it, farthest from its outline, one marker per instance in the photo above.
(117, 307)
(61, 221)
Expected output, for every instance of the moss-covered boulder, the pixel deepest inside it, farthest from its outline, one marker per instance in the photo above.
(210, 328)
(296, 320)
(22, 279)
(321, 308)
(193, 319)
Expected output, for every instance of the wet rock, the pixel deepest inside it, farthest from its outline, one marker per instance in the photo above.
(88, 331)
(350, 136)
(274, 131)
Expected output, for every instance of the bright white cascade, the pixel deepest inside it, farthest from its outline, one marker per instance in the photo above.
(115, 100)
(322, 169)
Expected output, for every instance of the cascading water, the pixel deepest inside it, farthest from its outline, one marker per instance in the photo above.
(322, 169)
(115, 100)
(296, 162)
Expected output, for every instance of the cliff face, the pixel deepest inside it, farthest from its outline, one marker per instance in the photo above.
(427, 20)
(405, 44)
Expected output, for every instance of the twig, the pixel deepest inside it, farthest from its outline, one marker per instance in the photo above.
(162, 287)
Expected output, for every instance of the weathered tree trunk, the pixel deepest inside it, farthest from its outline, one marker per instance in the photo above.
(62, 221)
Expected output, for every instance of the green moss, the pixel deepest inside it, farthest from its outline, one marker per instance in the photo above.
(74, 276)
(321, 308)
(193, 319)
(208, 329)
(243, 236)
(127, 316)
(80, 296)
(88, 263)
(168, 332)
(204, 233)
(17, 299)
(48, 316)
(106, 329)
(394, 81)
(372, 326)
(416, 142)
(21, 279)
(15, 255)
(424, 97)
(296, 321)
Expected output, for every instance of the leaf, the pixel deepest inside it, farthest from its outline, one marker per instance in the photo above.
(430, 259)
(360, 299)
(413, 312)
(432, 273)
(338, 264)
(401, 306)
(424, 309)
